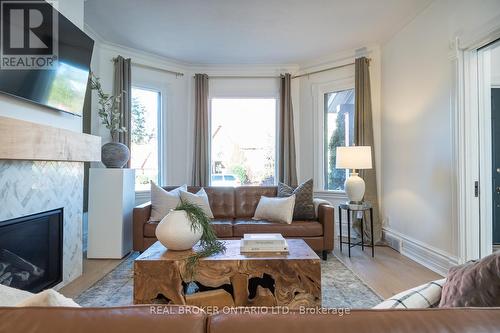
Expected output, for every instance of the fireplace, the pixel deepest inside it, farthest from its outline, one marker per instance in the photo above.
(31, 254)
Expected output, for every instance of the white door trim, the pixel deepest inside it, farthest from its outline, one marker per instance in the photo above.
(471, 142)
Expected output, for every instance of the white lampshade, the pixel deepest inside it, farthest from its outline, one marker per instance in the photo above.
(354, 157)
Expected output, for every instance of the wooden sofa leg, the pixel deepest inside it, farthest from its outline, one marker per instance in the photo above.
(324, 254)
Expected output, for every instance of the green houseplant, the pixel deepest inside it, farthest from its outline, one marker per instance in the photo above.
(114, 154)
(209, 244)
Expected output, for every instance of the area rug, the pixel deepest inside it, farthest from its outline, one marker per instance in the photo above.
(341, 288)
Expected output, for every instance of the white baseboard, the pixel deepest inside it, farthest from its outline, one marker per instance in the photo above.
(426, 255)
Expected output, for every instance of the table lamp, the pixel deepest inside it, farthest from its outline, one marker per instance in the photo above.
(355, 158)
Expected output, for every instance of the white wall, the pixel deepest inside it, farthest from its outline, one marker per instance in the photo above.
(19, 109)
(309, 108)
(417, 111)
(176, 107)
(179, 102)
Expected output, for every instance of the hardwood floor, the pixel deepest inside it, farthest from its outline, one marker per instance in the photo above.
(389, 272)
(93, 271)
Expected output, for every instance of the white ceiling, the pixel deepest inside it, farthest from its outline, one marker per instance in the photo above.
(248, 31)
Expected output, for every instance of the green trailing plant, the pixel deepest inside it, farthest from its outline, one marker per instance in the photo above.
(108, 108)
(209, 244)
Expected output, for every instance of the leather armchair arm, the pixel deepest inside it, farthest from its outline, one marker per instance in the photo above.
(326, 216)
(141, 215)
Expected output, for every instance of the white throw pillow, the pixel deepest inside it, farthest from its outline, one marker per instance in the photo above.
(11, 296)
(424, 296)
(48, 297)
(163, 201)
(200, 199)
(275, 209)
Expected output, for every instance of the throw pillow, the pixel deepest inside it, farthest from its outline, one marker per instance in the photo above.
(11, 296)
(48, 297)
(473, 284)
(275, 209)
(163, 201)
(304, 206)
(421, 297)
(200, 199)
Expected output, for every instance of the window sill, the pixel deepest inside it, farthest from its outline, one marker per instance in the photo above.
(331, 194)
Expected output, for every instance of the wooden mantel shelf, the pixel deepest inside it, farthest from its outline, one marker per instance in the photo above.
(24, 140)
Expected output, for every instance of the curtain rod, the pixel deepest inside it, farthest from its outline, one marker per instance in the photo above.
(177, 74)
(326, 69)
(243, 76)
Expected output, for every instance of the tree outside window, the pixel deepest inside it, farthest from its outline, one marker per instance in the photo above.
(339, 131)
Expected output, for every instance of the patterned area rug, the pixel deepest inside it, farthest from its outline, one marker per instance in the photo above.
(341, 288)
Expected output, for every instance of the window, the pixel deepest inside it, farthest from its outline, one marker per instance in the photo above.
(338, 131)
(146, 109)
(243, 142)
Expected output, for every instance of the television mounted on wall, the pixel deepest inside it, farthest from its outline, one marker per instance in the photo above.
(45, 58)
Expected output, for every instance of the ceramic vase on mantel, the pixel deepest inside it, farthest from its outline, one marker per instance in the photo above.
(175, 232)
(115, 154)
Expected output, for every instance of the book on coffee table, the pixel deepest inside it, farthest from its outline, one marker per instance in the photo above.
(263, 243)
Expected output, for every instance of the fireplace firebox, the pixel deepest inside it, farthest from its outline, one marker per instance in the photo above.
(31, 251)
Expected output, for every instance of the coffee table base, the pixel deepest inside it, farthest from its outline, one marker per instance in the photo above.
(292, 280)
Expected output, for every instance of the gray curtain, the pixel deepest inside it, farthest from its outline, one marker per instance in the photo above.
(123, 85)
(363, 136)
(201, 163)
(287, 170)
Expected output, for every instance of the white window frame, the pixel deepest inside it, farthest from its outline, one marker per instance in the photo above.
(319, 90)
(276, 97)
(160, 137)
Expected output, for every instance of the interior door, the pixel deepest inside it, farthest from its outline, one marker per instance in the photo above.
(495, 145)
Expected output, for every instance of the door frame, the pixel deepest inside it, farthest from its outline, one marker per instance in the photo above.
(472, 139)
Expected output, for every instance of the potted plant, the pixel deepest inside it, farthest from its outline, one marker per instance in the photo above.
(113, 154)
(185, 226)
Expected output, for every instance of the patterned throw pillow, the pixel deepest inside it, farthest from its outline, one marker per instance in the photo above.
(421, 297)
(473, 284)
(304, 206)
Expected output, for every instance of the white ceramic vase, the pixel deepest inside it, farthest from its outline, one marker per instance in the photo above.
(175, 232)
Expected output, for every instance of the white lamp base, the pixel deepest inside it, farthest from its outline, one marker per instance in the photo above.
(355, 188)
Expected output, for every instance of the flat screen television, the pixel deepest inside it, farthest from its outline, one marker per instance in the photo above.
(61, 86)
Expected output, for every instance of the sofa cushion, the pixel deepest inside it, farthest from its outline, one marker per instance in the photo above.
(223, 228)
(221, 201)
(150, 228)
(247, 197)
(296, 229)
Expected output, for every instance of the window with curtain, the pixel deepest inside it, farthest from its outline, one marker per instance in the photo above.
(338, 131)
(145, 134)
(243, 141)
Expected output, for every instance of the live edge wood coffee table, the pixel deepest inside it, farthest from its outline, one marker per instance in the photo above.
(230, 279)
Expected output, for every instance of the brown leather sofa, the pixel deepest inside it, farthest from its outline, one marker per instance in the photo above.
(173, 319)
(233, 208)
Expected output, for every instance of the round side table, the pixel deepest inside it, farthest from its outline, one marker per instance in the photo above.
(362, 207)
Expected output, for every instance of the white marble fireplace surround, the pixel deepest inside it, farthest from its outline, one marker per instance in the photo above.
(29, 187)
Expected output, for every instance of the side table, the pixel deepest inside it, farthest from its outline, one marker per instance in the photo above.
(362, 207)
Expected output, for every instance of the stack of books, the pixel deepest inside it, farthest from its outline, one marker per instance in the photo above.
(252, 243)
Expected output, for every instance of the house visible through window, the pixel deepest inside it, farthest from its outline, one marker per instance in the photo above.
(146, 110)
(338, 131)
(243, 142)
